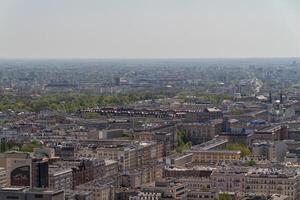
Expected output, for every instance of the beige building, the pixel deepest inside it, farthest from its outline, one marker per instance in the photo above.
(201, 132)
(143, 175)
(128, 156)
(111, 168)
(272, 181)
(23, 169)
(229, 179)
(17, 165)
(169, 189)
(197, 180)
(3, 178)
(214, 156)
(202, 194)
(102, 189)
(271, 133)
(60, 179)
(166, 138)
(146, 196)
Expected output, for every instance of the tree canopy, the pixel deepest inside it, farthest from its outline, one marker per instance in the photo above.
(245, 151)
(182, 142)
(30, 146)
(71, 102)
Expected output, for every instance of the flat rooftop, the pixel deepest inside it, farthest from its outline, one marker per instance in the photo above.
(210, 144)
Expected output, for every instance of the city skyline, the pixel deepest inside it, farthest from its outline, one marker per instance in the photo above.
(149, 99)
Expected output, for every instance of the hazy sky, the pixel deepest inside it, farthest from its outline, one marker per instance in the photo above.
(149, 28)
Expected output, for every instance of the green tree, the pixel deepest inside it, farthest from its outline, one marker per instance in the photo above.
(182, 141)
(245, 151)
(30, 146)
(3, 145)
(251, 163)
(90, 115)
(223, 196)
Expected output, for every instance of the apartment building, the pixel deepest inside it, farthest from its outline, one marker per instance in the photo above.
(229, 179)
(129, 156)
(102, 189)
(60, 178)
(143, 175)
(273, 181)
(199, 132)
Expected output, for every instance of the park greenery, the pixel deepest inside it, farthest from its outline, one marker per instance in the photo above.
(91, 115)
(245, 151)
(72, 101)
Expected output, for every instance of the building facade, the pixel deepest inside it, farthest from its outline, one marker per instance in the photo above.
(272, 181)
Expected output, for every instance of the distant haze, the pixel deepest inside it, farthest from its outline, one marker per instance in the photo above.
(149, 28)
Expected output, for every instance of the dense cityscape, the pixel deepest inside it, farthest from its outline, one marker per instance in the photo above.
(147, 129)
(149, 100)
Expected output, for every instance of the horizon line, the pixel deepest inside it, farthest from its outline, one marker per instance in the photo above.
(150, 58)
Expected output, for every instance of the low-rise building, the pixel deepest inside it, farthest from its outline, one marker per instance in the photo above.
(179, 159)
(214, 156)
(111, 133)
